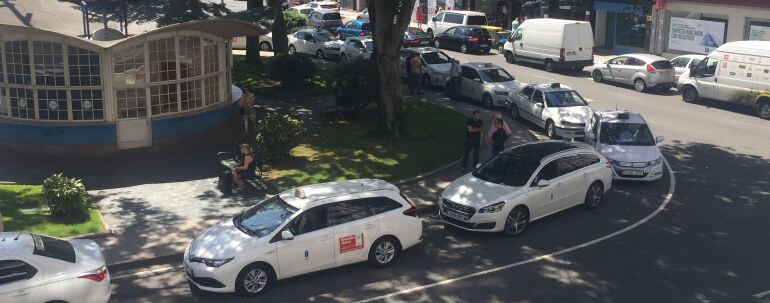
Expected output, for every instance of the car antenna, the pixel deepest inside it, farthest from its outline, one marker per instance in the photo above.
(17, 236)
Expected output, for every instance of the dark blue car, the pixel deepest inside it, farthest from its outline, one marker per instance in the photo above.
(354, 28)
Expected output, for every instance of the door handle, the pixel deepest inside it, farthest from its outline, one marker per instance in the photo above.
(368, 226)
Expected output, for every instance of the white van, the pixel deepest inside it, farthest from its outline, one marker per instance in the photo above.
(555, 43)
(444, 20)
(737, 72)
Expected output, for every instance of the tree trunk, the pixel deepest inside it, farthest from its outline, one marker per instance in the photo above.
(389, 18)
(280, 40)
(252, 42)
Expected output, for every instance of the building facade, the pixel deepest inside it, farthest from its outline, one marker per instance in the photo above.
(619, 27)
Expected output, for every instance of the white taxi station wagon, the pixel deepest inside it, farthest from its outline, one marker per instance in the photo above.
(311, 228)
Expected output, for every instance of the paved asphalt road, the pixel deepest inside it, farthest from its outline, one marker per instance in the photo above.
(709, 244)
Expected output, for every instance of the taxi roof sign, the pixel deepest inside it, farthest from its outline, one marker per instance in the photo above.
(300, 193)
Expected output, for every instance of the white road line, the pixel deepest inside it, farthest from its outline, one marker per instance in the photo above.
(762, 294)
(535, 259)
(146, 273)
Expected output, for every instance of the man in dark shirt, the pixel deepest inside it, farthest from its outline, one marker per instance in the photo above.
(498, 138)
(473, 128)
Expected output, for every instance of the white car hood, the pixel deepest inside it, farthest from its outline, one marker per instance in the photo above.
(333, 44)
(472, 191)
(223, 240)
(629, 153)
(574, 114)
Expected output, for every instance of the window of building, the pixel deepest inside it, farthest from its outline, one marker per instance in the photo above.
(52, 104)
(132, 103)
(191, 95)
(163, 99)
(3, 104)
(210, 56)
(83, 67)
(22, 103)
(212, 90)
(189, 56)
(49, 63)
(87, 104)
(17, 62)
(757, 29)
(129, 66)
(162, 61)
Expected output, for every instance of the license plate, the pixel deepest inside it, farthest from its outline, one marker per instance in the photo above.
(483, 45)
(629, 172)
(188, 271)
(454, 215)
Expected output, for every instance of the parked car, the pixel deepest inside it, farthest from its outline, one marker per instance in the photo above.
(488, 84)
(356, 48)
(322, 44)
(302, 9)
(324, 5)
(626, 140)
(363, 15)
(38, 268)
(465, 38)
(415, 36)
(558, 109)
(683, 63)
(554, 43)
(502, 37)
(355, 28)
(265, 42)
(435, 64)
(737, 72)
(526, 183)
(444, 20)
(643, 71)
(303, 230)
(327, 19)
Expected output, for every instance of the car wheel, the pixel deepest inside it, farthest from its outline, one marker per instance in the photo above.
(437, 44)
(516, 221)
(500, 49)
(319, 54)
(486, 100)
(509, 57)
(384, 252)
(550, 129)
(426, 81)
(597, 75)
(594, 195)
(515, 112)
(550, 66)
(464, 49)
(639, 85)
(689, 94)
(265, 47)
(292, 50)
(253, 280)
(763, 108)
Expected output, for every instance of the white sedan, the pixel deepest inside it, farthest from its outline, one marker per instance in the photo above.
(558, 109)
(487, 83)
(37, 268)
(299, 231)
(356, 48)
(526, 183)
(321, 44)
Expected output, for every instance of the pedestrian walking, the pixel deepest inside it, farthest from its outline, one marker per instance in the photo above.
(454, 77)
(419, 16)
(415, 73)
(473, 129)
(498, 137)
(246, 104)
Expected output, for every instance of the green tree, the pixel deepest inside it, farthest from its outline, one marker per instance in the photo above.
(280, 40)
(252, 42)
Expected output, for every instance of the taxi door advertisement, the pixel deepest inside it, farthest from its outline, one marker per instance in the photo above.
(353, 239)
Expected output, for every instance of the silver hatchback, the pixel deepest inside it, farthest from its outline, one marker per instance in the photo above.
(643, 71)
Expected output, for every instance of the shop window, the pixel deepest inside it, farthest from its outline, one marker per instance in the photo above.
(189, 56)
(212, 90)
(692, 32)
(129, 66)
(17, 62)
(190, 94)
(87, 104)
(757, 29)
(49, 63)
(163, 99)
(52, 104)
(22, 103)
(83, 67)
(210, 56)
(132, 103)
(162, 61)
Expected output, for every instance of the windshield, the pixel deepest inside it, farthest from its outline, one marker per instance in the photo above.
(332, 16)
(476, 20)
(328, 6)
(323, 37)
(564, 99)
(435, 58)
(635, 134)
(508, 168)
(496, 75)
(263, 218)
(369, 45)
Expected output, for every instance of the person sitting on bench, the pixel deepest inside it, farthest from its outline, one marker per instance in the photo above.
(246, 170)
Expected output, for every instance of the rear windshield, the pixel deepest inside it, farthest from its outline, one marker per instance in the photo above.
(332, 16)
(479, 32)
(662, 64)
(328, 6)
(366, 26)
(53, 248)
(415, 31)
(476, 20)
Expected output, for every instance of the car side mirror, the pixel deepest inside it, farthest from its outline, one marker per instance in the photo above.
(538, 103)
(543, 183)
(659, 139)
(434, 19)
(287, 235)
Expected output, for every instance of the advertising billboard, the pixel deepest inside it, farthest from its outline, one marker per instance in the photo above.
(695, 36)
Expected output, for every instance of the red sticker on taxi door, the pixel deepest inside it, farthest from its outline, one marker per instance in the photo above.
(351, 243)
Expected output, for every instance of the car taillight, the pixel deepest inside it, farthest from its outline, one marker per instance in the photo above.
(473, 39)
(414, 41)
(361, 33)
(412, 211)
(95, 275)
(561, 53)
(651, 69)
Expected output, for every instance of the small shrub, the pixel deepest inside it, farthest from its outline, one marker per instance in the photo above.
(291, 70)
(355, 84)
(277, 134)
(294, 20)
(65, 196)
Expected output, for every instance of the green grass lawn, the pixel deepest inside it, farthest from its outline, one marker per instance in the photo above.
(255, 75)
(20, 206)
(341, 150)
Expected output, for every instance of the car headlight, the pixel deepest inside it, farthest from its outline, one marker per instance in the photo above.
(492, 208)
(212, 262)
(501, 93)
(656, 161)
